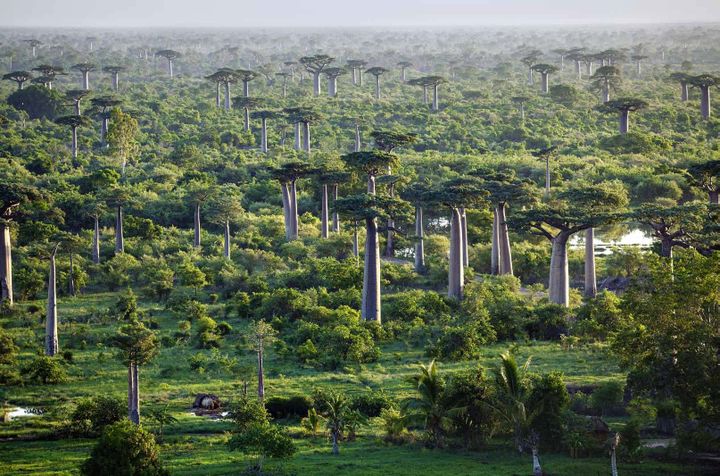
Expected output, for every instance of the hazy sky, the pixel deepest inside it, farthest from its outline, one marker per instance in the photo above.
(311, 13)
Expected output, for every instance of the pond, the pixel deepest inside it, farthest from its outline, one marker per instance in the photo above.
(634, 237)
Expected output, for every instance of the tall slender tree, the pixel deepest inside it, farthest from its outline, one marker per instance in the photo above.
(332, 75)
(20, 77)
(85, 69)
(288, 174)
(75, 96)
(225, 209)
(170, 56)
(605, 80)
(545, 70)
(683, 79)
(118, 197)
(33, 45)
(198, 192)
(706, 176)
(246, 76)
(377, 71)
(246, 104)
(624, 106)
(114, 72)
(74, 122)
(356, 68)
(264, 116)
(103, 105)
(703, 82)
(315, 65)
(529, 60)
(404, 65)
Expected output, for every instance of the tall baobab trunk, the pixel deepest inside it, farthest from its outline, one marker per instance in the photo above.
(104, 126)
(6, 284)
(306, 137)
(456, 272)
(297, 145)
(284, 87)
(559, 276)
(495, 245)
(624, 121)
(562, 62)
(613, 457)
(589, 68)
(316, 84)
(639, 68)
(263, 135)
(324, 213)
(358, 143)
(590, 279)
(131, 391)
(522, 111)
(530, 76)
(547, 175)
(426, 101)
(504, 252)
(578, 70)
(96, 240)
(287, 210)
(377, 87)
(371, 277)
(116, 81)
(246, 89)
(371, 184)
(606, 92)
(705, 101)
(545, 82)
(170, 68)
(71, 278)
(196, 221)
(354, 76)
(247, 119)
(332, 87)
(86, 80)
(228, 103)
(465, 245)
(683, 91)
(34, 52)
(356, 246)
(51, 320)
(537, 469)
(74, 143)
(403, 74)
(261, 371)
(360, 73)
(436, 99)
(666, 248)
(420, 243)
(77, 108)
(293, 211)
(226, 249)
(336, 215)
(119, 239)
(135, 410)
(390, 244)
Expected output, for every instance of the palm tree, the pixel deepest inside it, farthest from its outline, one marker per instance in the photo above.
(544, 70)
(170, 56)
(377, 71)
(703, 82)
(336, 408)
(512, 395)
(429, 406)
(624, 106)
(73, 122)
(605, 79)
(114, 71)
(85, 69)
(20, 77)
(315, 65)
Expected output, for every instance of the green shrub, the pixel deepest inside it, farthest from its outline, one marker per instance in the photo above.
(286, 407)
(550, 400)
(99, 411)
(46, 370)
(608, 397)
(124, 449)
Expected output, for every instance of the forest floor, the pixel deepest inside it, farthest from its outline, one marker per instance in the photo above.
(195, 445)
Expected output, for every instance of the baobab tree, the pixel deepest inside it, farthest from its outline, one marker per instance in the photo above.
(638, 59)
(545, 155)
(673, 225)
(137, 346)
(422, 82)
(114, 72)
(457, 195)
(561, 52)
(76, 95)
(85, 69)
(95, 209)
(170, 56)
(91, 42)
(419, 194)
(198, 192)
(434, 82)
(330, 180)
(16, 190)
(529, 61)
(315, 65)
(226, 77)
(624, 106)
(290, 65)
(377, 71)
(545, 70)
(567, 212)
(390, 181)
(105, 104)
(284, 77)
(262, 334)
(611, 57)
(706, 176)
(246, 76)
(703, 82)
(332, 76)
(576, 55)
(49, 72)
(264, 116)
(33, 45)
(606, 79)
(73, 122)
(224, 209)
(52, 346)
(370, 208)
(388, 140)
(302, 118)
(404, 65)
(356, 68)
(683, 79)
(520, 102)
(20, 77)
(288, 175)
(246, 104)
(119, 197)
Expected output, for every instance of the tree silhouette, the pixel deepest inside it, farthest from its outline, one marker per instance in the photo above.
(545, 70)
(33, 45)
(706, 176)
(246, 76)
(170, 56)
(624, 106)
(315, 65)
(377, 71)
(85, 69)
(246, 104)
(520, 101)
(284, 77)
(683, 79)
(576, 56)
(226, 77)
(73, 122)
(49, 72)
(638, 63)
(434, 82)
(529, 60)
(330, 180)
(606, 79)
(546, 154)
(114, 71)
(76, 95)
(332, 75)
(404, 65)
(264, 116)
(302, 116)
(288, 175)
(356, 67)
(225, 209)
(104, 104)
(703, 82)
(20, 77)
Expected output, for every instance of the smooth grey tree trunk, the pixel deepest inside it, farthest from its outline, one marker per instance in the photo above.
(74, 143)
(590, 277)
(170, 68)
(119, 238)
(287, 210)
(6, 274)
(371, 310)
(377, 87)
(135, 417)
(71, 277)
(306, 137)
(436, 99)
(356, 245)
(705, 101)
(613, 462)
(261, 371)
(578, 70)
(96, 240)
(456, 272)
(297, 145)
(559, 276)
(294, 211)
(624, 122)
(426, 101)
(196, 220)
(420, 243)
(403, 74)
(263, 135)
(639, 68)
(683, 91)
(545, 82)
(465, 244)
(390, 244)
(226, 248)
(131, 391)
(316, 84)
(247, 118)
(77, 108)
(228, 102)
(116, 82)
(336, 215)
(354, 76)
(358, 143)
(51, 320)
(537, 469)
(332, 87)
(504, 252)
(522, 111)
(324, 213)
(360, 77)
(547, 175)
(495, 245)
(531, 80)
(246, 89)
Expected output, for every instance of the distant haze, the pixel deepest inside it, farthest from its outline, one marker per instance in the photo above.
(330, 13)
